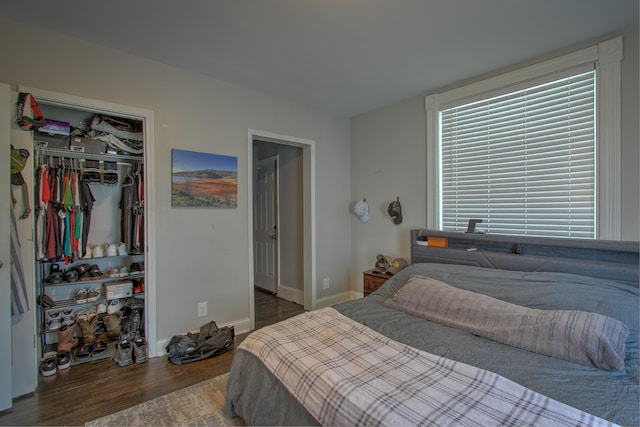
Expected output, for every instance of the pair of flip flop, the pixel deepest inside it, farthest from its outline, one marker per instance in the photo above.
(88, 350)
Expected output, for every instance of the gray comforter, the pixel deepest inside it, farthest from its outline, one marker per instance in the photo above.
(255, 395)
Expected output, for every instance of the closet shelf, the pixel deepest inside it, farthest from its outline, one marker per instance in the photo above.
(67, 154)
(103, 279)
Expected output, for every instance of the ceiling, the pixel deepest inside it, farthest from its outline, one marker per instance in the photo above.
(344, 57)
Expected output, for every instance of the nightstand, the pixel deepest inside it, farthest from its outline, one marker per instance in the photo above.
(373, 280)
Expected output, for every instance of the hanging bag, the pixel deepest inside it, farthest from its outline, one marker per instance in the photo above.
(18, 162)
(27, 107)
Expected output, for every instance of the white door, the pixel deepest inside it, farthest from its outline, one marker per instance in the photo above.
(5, 278)
(265, 225)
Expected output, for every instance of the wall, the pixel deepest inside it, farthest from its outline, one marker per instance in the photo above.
(388, 155)
(203, 254)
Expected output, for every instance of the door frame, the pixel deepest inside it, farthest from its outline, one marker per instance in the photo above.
(308, 213)
(77, 102)
(6, 386)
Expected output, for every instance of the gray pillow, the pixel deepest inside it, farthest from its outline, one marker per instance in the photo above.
(587, 338)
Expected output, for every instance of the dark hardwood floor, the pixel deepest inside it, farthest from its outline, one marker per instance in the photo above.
(93, 390)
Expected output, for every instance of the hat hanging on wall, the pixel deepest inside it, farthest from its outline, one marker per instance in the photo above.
(361, 210)
(395, 211)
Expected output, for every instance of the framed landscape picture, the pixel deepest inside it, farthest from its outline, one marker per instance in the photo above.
(203, 180)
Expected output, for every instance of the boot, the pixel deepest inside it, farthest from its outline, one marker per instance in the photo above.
(88, 330)
(113, 324)
(66, 340)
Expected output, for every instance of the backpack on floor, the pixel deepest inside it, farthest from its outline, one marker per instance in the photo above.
(209, 342)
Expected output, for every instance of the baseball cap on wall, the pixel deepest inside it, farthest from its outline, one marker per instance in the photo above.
(361, 210)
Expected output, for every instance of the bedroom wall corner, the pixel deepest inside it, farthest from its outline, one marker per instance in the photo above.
(630, 196)
(388, 153)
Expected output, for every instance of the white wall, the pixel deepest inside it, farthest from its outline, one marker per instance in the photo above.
(388, 159)
(388, 153)
(203, 254)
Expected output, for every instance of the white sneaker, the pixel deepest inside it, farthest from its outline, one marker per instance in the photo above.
(111, 249)
(122, 249)
(97, 252)
(114, 306)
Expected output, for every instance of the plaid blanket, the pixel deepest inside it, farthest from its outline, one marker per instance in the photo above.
(345, 373)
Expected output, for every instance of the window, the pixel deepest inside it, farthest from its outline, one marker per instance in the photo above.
(524, 161)
(532, 152)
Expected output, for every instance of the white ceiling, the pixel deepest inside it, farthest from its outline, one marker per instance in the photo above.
(341, 56)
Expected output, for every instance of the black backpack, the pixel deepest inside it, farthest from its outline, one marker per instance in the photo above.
(210, 341)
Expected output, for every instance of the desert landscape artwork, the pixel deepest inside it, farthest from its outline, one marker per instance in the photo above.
(203, 180)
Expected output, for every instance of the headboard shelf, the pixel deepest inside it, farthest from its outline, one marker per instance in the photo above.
(607, 259)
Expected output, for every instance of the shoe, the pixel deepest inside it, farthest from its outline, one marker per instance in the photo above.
(135, 268)
(98, 348)
(55, 275)
(71, 275)
(84, 352)
(97, 252)
(92, 295)
(49, 364)
(101, 308)
(54, 320)
(139, 350)
(114, 306)
(95, 272)
(122, 249)
(68, 317)
(63, 359)
(124, 271)
(45, 301)
(81, 296)
(123, 356)
(111, 249)
(138, 286)
(113, 272)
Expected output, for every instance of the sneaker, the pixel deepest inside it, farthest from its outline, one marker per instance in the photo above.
(124, 271)
(139, 350)
(111, 249)
(123, 356)
(93, 294)
(101, 308)
(114, 306)
(122, 249)
(63, 359)
(49, 364)
(81, 296)
(97, 252)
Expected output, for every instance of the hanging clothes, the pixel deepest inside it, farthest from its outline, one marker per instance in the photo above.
(19, 300)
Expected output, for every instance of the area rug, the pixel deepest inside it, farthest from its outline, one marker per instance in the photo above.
(200, 404)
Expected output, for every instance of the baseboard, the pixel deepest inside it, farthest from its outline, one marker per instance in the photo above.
(291, 294)
(240, 326)
(336, 299)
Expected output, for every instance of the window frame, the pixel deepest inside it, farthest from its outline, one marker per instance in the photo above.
(605, 57)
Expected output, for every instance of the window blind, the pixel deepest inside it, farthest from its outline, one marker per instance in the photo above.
(524, 161)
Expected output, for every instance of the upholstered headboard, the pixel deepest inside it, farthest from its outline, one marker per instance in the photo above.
(606, 259)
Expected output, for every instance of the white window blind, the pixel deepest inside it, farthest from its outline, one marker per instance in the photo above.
(523, 162)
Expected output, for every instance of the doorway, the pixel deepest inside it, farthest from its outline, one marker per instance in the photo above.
(281, 231)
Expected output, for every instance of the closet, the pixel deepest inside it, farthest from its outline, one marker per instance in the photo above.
(90, 235)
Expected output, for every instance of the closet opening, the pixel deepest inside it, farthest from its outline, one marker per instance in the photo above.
(93, 249)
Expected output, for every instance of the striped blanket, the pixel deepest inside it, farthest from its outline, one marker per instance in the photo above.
(344, 373)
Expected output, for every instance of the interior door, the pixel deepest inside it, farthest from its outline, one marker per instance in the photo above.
(265, 220)
(5, 280)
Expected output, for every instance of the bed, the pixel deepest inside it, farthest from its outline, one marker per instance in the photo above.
(375, 361)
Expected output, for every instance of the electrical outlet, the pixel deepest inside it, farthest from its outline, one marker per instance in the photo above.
(326, 283)
(202, 309)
